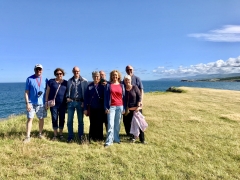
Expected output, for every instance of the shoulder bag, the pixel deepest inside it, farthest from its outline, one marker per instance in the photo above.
(51, 103)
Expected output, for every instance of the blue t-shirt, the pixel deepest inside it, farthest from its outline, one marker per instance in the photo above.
(137, 82)
(36, 86)
(60, 97)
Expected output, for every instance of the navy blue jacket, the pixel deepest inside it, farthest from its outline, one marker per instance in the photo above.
(94, 96)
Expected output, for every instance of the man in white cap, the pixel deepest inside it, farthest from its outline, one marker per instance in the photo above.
(34, 97)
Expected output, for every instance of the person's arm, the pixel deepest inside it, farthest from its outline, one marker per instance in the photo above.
(86, 100)
(142, 94)
(106, 98)
(46, 96)
(68, 91)
(138, 98)
(28, 107)
(84, 90)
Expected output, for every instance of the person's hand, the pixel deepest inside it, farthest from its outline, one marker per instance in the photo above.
(136, 110)
(69, 100)
(85, 112)
(104, 83)
(46, 106)
(28, 107)
(107, 111)
(82, 105)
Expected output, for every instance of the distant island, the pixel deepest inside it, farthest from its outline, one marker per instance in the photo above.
(227, 79)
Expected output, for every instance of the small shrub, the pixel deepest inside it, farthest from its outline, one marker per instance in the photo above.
(176, 90)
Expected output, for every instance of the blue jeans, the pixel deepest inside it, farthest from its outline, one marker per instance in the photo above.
(114, 120)
(71, 109)
(58, 116)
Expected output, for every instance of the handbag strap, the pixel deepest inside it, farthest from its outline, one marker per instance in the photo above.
(97, 92)
(57, 91)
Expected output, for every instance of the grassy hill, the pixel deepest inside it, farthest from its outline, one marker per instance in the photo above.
(192, 135)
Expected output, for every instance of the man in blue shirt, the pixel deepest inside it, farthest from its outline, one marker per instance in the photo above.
(76, 87)
(34, 98)
(135, 80)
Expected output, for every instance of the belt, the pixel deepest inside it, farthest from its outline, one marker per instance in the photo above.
(78, 100)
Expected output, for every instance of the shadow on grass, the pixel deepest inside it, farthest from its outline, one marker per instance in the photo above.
(48, 134)
(225, 119)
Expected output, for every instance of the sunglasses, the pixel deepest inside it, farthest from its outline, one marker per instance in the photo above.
(57, 74)
(76, 71)
(129, 69)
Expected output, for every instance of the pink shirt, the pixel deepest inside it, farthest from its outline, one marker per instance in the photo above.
(116, 95)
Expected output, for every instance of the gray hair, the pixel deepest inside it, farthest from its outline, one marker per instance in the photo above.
(127, 77)
(95, 73)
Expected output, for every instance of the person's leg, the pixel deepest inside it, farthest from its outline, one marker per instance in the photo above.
(61, 114)
(41, 124)
(80, 119)
(117, 122)
(110, 133)
(71, 110)
(54, 115)
(90, 135)
(30, 116)
(105, 120)
(98, 124)
(141, 135)
(127, 120)
(41, 113)
(29, 126)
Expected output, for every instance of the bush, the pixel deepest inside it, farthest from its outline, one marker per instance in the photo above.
(174, 89)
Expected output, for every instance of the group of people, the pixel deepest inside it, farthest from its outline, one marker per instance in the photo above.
(105, 102)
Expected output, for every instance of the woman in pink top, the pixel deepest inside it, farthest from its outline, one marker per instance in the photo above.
(113, 104)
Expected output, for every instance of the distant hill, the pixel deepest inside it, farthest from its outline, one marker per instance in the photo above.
(203, 76)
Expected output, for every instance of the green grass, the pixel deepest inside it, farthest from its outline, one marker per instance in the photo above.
(192, 135)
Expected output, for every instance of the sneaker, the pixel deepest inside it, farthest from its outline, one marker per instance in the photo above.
(26, 140)
(133, 140)
(54, 138)
(61, 137)
(70, 141)
(106, 145)
(143, 142)
(82, 139)
(40, 136)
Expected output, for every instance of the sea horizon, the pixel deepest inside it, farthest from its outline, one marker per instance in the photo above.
(13, 103)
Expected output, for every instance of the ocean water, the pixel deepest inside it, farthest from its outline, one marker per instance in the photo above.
(12, 94)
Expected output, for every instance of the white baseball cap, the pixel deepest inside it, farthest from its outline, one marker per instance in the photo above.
(38, 66)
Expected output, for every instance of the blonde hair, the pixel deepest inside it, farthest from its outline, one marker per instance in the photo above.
(119, 75)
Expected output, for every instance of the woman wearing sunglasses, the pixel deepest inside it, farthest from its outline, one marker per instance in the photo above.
(56, 89)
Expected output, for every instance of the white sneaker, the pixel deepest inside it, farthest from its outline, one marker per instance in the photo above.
(26, 140)
(40, 136)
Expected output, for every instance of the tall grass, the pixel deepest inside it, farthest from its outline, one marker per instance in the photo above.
(192, 135)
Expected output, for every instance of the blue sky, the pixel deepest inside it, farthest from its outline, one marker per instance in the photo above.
(158, 38)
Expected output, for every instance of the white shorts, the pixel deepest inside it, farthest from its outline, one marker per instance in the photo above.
(40, 111)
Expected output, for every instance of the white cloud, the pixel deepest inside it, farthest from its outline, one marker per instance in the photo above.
(232, 65)
(228, 33)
